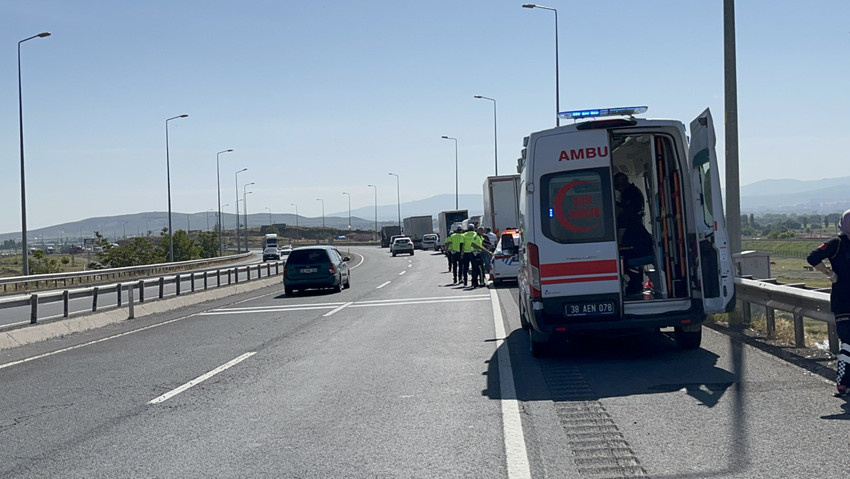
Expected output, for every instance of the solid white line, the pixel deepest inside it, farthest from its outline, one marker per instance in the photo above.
(516, 454)
(260, 311)
(421, 299)
(200, 379)
(384, 284)
(402, 302)
(337, 309)
(302, 305)
(405, 271)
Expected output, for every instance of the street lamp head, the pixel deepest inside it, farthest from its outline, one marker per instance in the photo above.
(478, 96)
(43, 34)
(445, 137)
(183, 116)
(227, 151)
(528, 5)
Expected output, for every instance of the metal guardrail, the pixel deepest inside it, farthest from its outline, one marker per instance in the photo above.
(27, 283)
(198, 280)
(796, 299)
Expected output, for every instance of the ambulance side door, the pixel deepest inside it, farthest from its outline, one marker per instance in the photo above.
(718, 280)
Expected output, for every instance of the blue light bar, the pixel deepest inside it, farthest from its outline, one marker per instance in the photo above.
(597, 113)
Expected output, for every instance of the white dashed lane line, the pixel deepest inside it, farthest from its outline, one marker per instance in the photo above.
(383, 284)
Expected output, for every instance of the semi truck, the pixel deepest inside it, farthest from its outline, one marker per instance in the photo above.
(388, 232)
(270, 241)
(415, 227)
(445, 221)
(501, 203)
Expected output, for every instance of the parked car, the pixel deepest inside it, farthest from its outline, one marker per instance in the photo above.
(315, 267)
(271, 253)
(401, 245)
(431, 241)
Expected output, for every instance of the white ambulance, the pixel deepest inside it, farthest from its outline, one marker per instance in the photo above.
(650, 253)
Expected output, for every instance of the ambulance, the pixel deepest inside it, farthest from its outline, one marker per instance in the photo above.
(580, 269)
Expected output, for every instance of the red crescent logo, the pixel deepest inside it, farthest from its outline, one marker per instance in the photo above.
(559, 209)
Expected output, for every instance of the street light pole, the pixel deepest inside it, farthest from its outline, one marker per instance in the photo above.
(557, 81)
(245, 207)
(296, 214)
(398, 197)
(349, 210)
(218, 182)
(168, 173)
(376, 210)
(323, 213)
(24, 247)
(495, 141)
(455, 140)
(238, 244)
(270, 215)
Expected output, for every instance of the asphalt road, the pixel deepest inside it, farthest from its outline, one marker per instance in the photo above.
(403, 375)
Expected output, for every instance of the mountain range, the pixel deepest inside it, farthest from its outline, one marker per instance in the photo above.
(829, 195)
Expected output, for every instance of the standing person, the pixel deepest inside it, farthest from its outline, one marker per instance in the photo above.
(453, 249)
(488, 247)
(837, 251)
(630, 201)
(466, 254)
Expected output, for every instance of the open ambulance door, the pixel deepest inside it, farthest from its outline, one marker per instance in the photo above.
(718, 280)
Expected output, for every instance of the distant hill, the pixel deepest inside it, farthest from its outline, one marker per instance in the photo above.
(829, 195)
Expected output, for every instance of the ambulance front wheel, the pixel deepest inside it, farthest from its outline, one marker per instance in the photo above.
(688, 339)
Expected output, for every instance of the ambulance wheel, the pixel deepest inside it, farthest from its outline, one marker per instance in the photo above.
(688, 339)
(539, 349)
(523, 320)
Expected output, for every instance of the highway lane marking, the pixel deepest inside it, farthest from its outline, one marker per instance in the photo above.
(383, 284)
(340, 308)
(405, 271)
(515, 451)
(201, 378)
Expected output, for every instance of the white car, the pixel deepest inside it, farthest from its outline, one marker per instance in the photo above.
(285, 250)
(431, 241)
(504, 265)
(402, 245)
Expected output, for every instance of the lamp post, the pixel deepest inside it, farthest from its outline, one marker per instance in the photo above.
(557, 82)
(349, 210)
(168, 173)
(398, 197)
(270, 215)
(495, 142)
(455, 140)
(238, 244)
(245, 207)
(323, 212)
(296, 214)
(376, 211)
(24, 247)
(218, 182)
(208, 219)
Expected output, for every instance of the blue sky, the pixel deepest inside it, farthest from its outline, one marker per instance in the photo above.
(321, 97)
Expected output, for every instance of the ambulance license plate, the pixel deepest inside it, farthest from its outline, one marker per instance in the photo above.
(589, 308)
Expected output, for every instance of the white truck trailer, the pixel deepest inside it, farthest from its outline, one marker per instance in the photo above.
(501, 202)
(415, 227)
(446, 219)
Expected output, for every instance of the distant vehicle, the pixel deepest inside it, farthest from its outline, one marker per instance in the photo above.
(447, 222)
(416, 227)
(402, 245)
(505, 262)
(340, 237)
(431, 241)
(387, 233)
(393, 238)
(315, 267)
(285, 250)
(271, 253)
(270, 241)
(475, 221)
(501, 203)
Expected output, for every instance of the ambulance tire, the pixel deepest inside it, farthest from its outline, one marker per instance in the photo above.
(688, 339)
(538, 349)
(523, 320)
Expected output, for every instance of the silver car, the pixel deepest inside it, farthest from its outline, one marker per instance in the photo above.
(401, 245)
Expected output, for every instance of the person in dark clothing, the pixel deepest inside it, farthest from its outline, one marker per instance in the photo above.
(630, 201)
(635, 241)
(837, 251)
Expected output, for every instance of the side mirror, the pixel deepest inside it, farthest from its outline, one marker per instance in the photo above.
(346, 258)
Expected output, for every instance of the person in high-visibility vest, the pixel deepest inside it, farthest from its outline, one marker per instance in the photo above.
(466, 255)
(453, 249)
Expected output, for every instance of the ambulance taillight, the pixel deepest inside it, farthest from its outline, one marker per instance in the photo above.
(534, 270)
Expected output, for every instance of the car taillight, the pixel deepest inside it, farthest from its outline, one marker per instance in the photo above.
(534, 270)
(332, 270)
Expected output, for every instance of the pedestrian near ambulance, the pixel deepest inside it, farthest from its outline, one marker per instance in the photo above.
(837, 251)
(466, 255)
(453, 249)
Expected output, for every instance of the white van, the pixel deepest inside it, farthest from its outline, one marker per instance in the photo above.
(581, 268)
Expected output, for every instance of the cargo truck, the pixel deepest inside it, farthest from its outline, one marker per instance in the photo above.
(388, 232)
(416, 227)
(501, 203)
(445, 220)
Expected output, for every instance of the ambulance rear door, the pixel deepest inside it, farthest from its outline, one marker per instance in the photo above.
(718, 281)
(576, 234)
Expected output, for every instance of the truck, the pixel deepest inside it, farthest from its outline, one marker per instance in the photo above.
(415, 227)
(270, 241)
(388, 232)
(501, 203)
(446, 219)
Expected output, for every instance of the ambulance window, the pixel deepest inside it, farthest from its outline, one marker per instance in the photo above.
(577, 206)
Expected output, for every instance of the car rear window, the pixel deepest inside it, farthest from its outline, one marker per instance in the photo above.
(576, 206)
(308, 256)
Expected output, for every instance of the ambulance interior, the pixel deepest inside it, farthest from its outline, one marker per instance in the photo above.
(652, 249)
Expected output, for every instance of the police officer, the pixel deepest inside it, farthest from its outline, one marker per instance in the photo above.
(453, 249)
(466, 255)
(479, 254)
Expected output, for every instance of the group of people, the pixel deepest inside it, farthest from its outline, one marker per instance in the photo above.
(468, 254)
